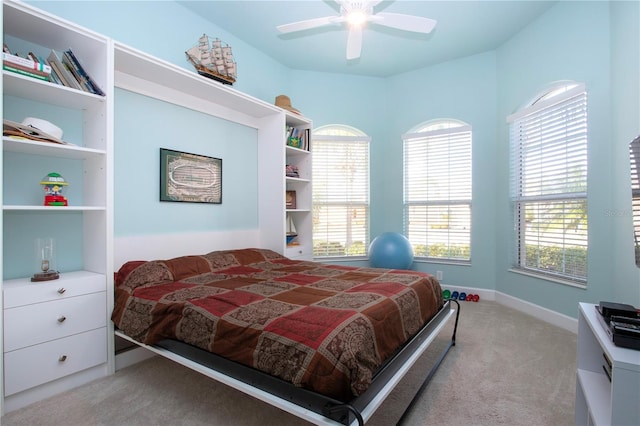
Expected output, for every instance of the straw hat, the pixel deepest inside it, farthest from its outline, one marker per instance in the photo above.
(283, 101)
(33, 128)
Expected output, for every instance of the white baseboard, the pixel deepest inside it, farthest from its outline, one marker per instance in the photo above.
(560, 320)
(132, 356)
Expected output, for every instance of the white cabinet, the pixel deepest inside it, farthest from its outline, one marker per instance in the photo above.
(600, 400)
(83, 230)
(53, 329)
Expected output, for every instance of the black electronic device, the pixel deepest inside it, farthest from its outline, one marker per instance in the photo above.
(625, 331)
(609, 309)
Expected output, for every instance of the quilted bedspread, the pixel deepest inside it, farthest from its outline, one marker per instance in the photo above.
(323, 327)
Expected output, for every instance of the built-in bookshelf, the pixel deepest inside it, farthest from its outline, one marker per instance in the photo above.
(299, 216)
(56, 334)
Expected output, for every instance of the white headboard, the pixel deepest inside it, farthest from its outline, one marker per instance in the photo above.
(167, 246)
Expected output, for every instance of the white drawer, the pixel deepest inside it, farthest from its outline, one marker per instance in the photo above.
(23, 292)
(32, 324)
(301, 252)
(32, 366)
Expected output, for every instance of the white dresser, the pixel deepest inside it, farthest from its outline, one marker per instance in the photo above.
(608, 376)
(53, 329)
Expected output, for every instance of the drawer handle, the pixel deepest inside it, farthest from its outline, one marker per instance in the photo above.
(62, 318)
(61, 290)
(62, 358)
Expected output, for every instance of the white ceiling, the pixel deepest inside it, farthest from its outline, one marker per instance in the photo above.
(464, 28)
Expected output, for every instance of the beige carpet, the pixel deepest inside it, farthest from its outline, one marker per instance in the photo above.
(507, 368)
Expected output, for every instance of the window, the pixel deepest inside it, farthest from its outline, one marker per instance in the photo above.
(340, 192)
(549, 184)
(437, 190)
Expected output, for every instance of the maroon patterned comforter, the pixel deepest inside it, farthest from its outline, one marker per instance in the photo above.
(324, 327)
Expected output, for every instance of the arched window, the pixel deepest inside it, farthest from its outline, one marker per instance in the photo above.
(549, 184)
(340, 191)
(437, 189)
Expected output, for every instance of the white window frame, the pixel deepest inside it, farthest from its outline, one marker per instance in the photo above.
(350, 239)
(438, 210)
(549, 150)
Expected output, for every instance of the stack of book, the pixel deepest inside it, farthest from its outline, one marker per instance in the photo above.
(27, 67)
(66, 71)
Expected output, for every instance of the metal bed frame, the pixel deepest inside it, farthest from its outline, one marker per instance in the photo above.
(309, 405)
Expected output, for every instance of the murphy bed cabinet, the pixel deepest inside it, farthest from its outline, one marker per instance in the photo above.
(141, 73)
(56, 334)
(608, 376)
(58, 317)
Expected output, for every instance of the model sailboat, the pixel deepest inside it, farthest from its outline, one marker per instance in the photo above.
(213, 60)
(291, 230)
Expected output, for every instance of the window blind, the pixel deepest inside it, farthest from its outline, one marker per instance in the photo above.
(340, 195)
(549, 185)
(437, 192)
(634, 151)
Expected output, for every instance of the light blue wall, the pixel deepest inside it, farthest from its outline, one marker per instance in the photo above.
(465, 90)
(570, 42)
(137, 168)
(593, 42)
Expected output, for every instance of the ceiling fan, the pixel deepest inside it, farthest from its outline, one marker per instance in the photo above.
(356, 13)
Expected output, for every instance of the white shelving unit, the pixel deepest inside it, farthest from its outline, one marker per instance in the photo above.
(56, 334)
(301, 246)
(600, 401)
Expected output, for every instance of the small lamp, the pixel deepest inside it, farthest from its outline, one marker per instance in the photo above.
(45, 261)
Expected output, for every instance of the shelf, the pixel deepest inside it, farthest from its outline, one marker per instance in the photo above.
(142, 73)
(294, 119)
(46, 92)
(50, 149)
(53, 208)
(293, 151)
(597, 392)
(295, 179)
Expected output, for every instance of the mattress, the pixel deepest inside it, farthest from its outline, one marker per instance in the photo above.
(326, 328)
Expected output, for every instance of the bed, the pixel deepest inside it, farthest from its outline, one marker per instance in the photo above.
(324, 342)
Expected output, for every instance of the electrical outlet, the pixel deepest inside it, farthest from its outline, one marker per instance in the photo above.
(439, 275)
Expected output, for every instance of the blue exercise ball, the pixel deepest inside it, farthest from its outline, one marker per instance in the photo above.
(390, 250)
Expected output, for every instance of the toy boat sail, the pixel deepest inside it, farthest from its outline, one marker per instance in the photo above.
(213, 60)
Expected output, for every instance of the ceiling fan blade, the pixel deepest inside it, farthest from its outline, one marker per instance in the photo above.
(354, 43)
(308, 24)
(399, 21)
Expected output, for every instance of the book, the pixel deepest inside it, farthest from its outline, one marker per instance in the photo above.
(25, 62)
(82, 73)
(24, 71)
(66, 61)
(53, 77)
(62, 71)
(55, 70)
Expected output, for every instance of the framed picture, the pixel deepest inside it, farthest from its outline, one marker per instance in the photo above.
(290, 199)
(190, 178)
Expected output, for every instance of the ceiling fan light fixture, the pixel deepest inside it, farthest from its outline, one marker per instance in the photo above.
(356, 14)
(356, 18)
